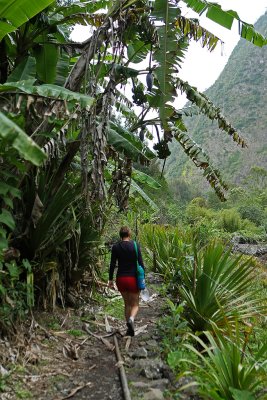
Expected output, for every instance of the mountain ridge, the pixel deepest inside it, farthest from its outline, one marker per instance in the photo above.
(241, 93)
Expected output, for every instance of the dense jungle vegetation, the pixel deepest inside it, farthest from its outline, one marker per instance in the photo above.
(80, 156)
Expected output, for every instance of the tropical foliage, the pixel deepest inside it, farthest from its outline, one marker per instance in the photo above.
(233, 373)
(217, 287)
(70, 135)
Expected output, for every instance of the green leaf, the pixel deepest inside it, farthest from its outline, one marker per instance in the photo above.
(169, 52)
(141, 177)
(25, 86)
(61, 93)
(7, 219)
(224, 18)
(3, 246)
(241, 394)
(18, 139)
(17, 12)
(46, 62)
(121, 71)
(128, 144)
(47, 90)
(24, 71)
(137, 51)
(8, 189)
(62, 69)
(148, 200)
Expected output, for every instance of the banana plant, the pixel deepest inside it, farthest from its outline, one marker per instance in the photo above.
(71, 108)
(226, 18)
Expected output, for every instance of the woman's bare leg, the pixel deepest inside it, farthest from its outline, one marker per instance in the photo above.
(134, 304)
(127, 305)
(131, 304)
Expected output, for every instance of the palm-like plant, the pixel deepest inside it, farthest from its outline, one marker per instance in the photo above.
(217, 288)
(167, 249)
(230, 372)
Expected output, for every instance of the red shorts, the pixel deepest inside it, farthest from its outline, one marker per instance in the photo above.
(127, 284)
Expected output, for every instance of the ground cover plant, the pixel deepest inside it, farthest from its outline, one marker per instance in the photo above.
(230, 371)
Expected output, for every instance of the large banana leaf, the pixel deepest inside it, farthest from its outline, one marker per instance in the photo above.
(168, 53)
(225, 19)
(136, 188)
(24, 71)
(47, 90)
(209, 109)
(20, 141)
(202, 161)
(127, 144)
(46, 62)
(14, 13)
(145, 179)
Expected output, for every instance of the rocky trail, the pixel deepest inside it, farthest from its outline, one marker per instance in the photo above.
(70, 355)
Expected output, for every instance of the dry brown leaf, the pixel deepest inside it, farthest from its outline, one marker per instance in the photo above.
(71, 351)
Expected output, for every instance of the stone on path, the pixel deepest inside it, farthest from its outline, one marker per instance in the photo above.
(154, 394)
(159, 383)
(141, 352)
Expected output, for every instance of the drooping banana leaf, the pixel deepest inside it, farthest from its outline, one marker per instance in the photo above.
(143, 178)
(209, 109)
(47, 90)
(225, 19)
(135, 188)
(202, 161)
(128, 144)
(20, 141)
(191, 28)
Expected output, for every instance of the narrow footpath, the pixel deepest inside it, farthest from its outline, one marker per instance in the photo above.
(71, 356)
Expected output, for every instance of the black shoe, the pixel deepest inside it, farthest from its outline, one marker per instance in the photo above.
(130, 326)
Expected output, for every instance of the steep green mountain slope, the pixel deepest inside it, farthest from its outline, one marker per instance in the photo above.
(241, 93)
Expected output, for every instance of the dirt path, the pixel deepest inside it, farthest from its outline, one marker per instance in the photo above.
(59, 360)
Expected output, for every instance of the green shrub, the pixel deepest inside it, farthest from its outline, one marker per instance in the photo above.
(172, 326)
(230, 220)
(17, 293)
(252, 212)
(195, 213)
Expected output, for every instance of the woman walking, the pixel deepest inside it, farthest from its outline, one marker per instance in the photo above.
(124, 256)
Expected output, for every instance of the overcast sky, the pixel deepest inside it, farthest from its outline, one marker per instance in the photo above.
(201, 68)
